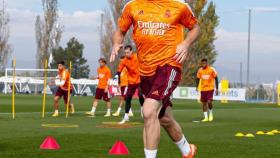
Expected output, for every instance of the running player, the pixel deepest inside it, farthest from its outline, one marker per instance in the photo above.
(123, 86)
(104, 74)
(62, 81)
(158, 31)
(132, 65)
(208, 77)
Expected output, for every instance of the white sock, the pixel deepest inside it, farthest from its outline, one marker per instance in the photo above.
(119, 110)
(93, 109)
(56, 111)
(184, 146)
(130, 111)
(126, 117)
(150, 153)
(108, 111)
(205, 114)
(211, 112)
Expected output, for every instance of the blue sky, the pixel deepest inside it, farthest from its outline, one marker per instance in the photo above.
(81, 19)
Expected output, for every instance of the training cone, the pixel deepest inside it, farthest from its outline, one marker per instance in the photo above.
(239, 135)
(275, 131)
(249, 135)
(269, 133)
(50, 144)
(119, 148)
(260, 133)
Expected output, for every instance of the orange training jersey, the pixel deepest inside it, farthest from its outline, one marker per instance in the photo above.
(65, 75)
(124, 78)
(158, 27)
(132, 66)
(207, 77)
(104, 74)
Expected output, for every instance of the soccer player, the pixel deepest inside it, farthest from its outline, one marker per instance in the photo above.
(123, 86)
(104, 74)
(158, 31)
(208, 77)
(131, 63)
(62, 81)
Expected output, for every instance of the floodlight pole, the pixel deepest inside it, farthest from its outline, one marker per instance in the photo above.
(249, 50)
(241, 75)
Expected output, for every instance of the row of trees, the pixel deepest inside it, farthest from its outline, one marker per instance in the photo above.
(49, 33)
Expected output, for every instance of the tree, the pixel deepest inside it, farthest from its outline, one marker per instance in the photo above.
(5, 47)
(204, 47)
(73, 52)
(48, 31)
(110, 21)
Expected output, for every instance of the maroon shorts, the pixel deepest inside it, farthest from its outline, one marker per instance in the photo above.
(161, 85)
(124, 91)
(132, 89)
(63, 93)
(100, 93)
(206, 96)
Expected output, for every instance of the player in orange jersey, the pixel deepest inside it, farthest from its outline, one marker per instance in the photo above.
(132, 65)
(208, 77)
(62, 81)
(123, 87)
(158, 31)
(104, 74)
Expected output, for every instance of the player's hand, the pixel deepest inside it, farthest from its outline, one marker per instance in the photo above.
(115, 52)
(106, 89)
(181, 52)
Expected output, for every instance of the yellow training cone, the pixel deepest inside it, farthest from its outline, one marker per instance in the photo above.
(260, 133)
(269, 133)
(249, 135)
(275, 131)
(239, 135)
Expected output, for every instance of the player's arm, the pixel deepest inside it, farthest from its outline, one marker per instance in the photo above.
(190, 22)
(108, 76)
(124, 23)
(60, 81)
(198, 77)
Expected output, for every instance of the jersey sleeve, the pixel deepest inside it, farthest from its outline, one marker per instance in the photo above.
(109, 75)
(125, 21)
(121, 66)
(187, 17)
(214, 72)
(64, 75)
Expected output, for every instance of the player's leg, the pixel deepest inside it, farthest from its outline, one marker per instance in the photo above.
(122, 101)
(106, 98)
(57, 96)
(131, 90)
(175, 132)
(203, 100)
(98, 96)
(71, 105)
(151, 134)
(210, 105)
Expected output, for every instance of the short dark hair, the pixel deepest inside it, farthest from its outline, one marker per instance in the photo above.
(122, 57)
(103, 60)
(61, 62)
(204, 60)
(128, 47)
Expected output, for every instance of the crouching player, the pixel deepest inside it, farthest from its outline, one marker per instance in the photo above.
(208, 77)
(62, 81)
(104, 74)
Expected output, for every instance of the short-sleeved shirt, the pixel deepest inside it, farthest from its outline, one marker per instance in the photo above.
(158, 27)
(104, 74)
(132, 66)
(65, 75)
(207, 78)
(124, 78)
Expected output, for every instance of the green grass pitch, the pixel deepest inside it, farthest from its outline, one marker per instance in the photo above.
(23, 136)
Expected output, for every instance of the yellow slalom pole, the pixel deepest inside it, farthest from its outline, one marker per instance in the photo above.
(69, 89)
(13, 93)
(45, 89)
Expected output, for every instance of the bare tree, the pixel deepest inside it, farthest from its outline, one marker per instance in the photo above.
(5, 47)
(48, 31)
(110, 21)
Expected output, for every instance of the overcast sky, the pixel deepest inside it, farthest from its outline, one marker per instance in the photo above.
(81, 19)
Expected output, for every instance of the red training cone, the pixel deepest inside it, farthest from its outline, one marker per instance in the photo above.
(50, 144)
(119, 148)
